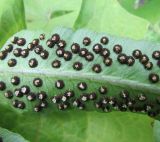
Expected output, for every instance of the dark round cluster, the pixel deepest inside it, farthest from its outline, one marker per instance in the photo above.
(18, 92)
(144, 59)
(9, 48)
(15, 80)
(62, 100)
(122, 58)
(33, 63)
(103, 90)
(59, 84)
(55, 38)
(156, 55)
(61, 44)
(69, 94)
(75, 48)
(38, 49)
(63, 106)
(77, 103)
(12, 62)
(67, 55)
(14, 39)
(137, 54)
(82, 86)
(97, 48)
(31, 96)
(77, 66)
(37, 82)
(96, 68)
(89, 57)
(30, 46)
(130, 61)
(50, 43)
(24, 53)
(25, 89)
(3, 55)
(153, 77)
(42, 95)
(117, 49)
(44, 54)
(17, 52)
(124, 94)
(148, 65)
(18, 104)
(86, 41)
(92, 96)
(105, 52)
(60, 52)
(8, 94)
(83, 52)
(56, 99)
(107, 61)
(84, 97)
(42, 36)
(35, 42)
(104, 40)
(21, 42)
(2, 86)
(37, 108)
(56, 64)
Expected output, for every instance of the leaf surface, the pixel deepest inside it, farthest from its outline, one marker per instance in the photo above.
(134, 79)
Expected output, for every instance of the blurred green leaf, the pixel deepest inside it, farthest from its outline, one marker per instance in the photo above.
(8, 136)
(12, 18)
(150, 10)
(108, 16)
(42, 14)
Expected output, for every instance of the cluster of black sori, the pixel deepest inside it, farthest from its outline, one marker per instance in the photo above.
(75, 48)
(122, 101)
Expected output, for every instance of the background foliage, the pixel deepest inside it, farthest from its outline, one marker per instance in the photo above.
(125, 18)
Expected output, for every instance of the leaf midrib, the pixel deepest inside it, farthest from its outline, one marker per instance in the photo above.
(113, 80)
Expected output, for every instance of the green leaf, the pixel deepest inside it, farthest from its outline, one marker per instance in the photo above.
(145, 10)
(8, 136)
(134, 79)
(108, 16)
(12, 18)
(51, 14)
(156, 131)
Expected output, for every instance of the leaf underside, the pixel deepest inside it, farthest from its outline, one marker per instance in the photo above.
(115, 78)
